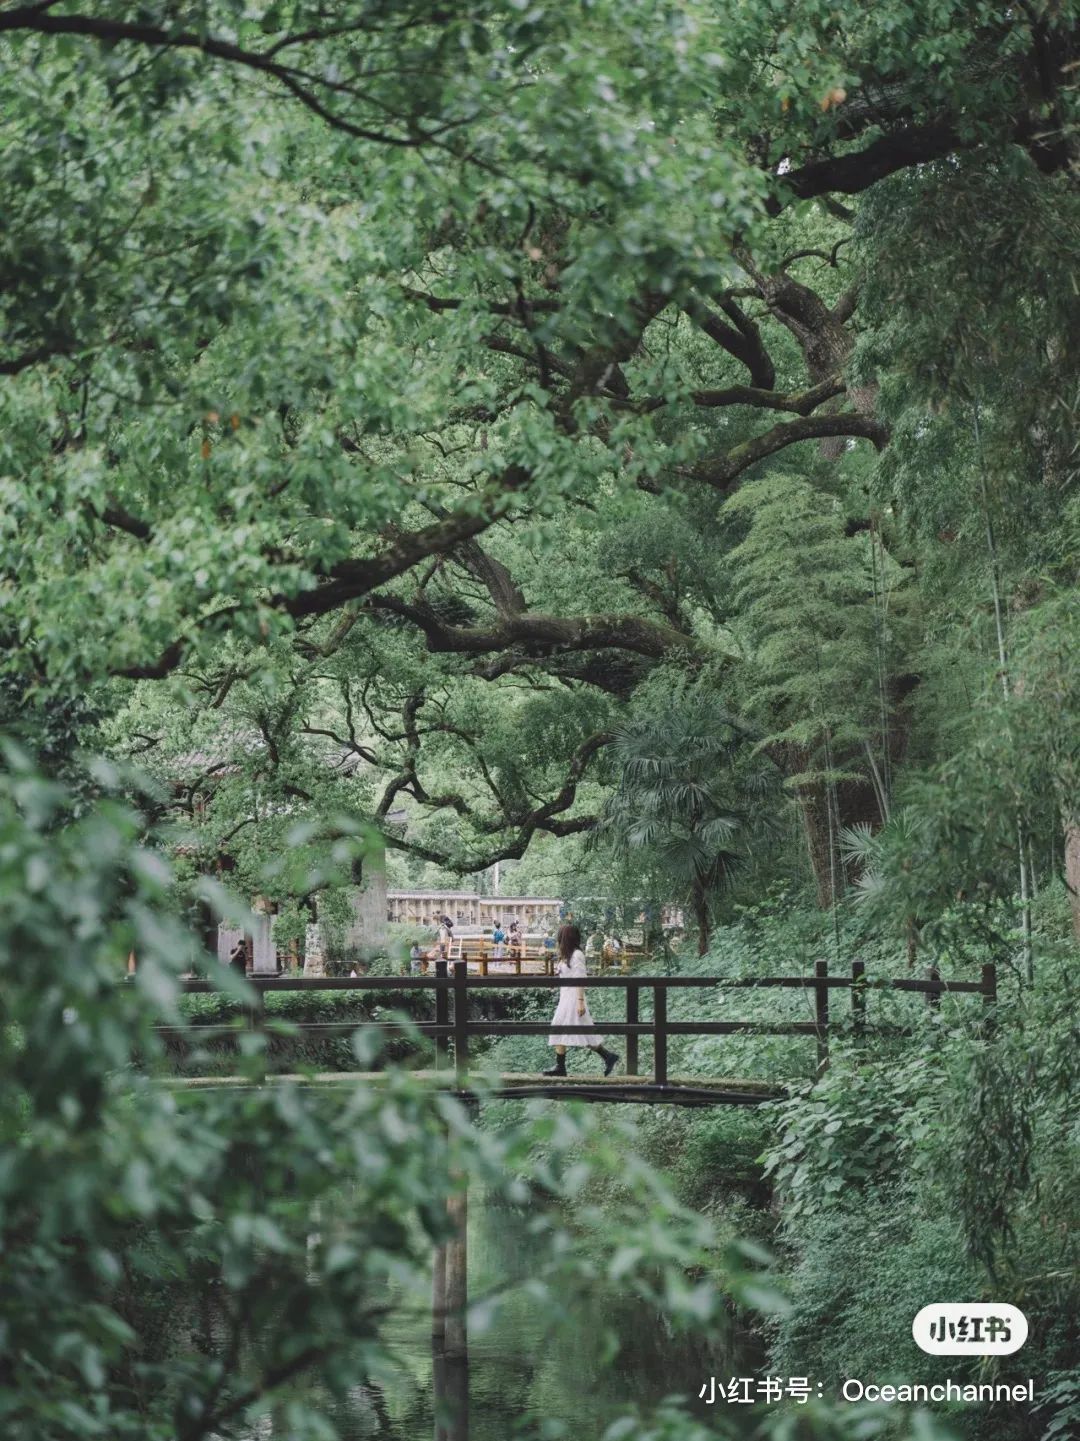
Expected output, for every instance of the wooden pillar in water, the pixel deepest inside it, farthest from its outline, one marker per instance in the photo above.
(456, 1335)
(450, 1277)
(438, 1295)
(449, 1325)
(450, 1377)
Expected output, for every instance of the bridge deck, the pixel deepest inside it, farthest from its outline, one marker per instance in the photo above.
(510, 1085)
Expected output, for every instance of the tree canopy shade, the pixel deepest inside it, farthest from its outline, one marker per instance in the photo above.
(384, 382)
(634, 438)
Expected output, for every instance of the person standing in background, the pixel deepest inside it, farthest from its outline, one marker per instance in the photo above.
(444, 939)
(238, 957)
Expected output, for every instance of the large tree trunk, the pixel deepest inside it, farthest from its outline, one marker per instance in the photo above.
(819, 829)
(854, 803)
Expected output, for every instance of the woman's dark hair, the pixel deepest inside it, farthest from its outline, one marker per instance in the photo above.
(447, 921)
(569, 941)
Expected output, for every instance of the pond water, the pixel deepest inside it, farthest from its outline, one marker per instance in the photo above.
(528, 1367)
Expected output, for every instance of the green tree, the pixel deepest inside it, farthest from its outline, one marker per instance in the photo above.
(688, 802)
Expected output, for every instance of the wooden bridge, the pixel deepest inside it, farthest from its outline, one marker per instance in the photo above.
(454, 1029)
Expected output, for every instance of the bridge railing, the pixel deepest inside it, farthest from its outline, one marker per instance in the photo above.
(453, 1027)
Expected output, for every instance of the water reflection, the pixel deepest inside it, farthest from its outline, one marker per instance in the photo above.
(526, 1366)
(450, 1395)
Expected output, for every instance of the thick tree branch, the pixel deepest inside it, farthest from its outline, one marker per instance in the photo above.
(798, 402)
(537, 635)
(120, 518)
(900, 149)
(506, 595)
(819, 332)
(18, 363)
(599, 368)
(722, 472)
(741, 339)
(502, 346)
(353, 579)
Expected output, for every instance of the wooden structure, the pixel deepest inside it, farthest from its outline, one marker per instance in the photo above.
(454, 1030)
(469, 908)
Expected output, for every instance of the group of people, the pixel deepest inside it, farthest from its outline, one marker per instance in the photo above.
(508, 943)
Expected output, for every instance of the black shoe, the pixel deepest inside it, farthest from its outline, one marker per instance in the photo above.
(609, 1058)
(558, 1069)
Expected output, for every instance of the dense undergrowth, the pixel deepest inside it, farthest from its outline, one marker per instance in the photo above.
(937, 1165)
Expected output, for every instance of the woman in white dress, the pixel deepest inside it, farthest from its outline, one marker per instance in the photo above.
(572, 1010)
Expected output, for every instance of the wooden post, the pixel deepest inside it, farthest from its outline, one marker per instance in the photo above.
(631, 1019)
(660, 1035)
(821, 996)
(461, 1034)
(483, 965)
(438, 1294)
(933, 998)
(517, 963)
(858, 997)
(989, 994)
(456, 1336)
(442, 1016)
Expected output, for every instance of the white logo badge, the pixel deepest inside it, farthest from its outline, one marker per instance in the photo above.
(970, 1328)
